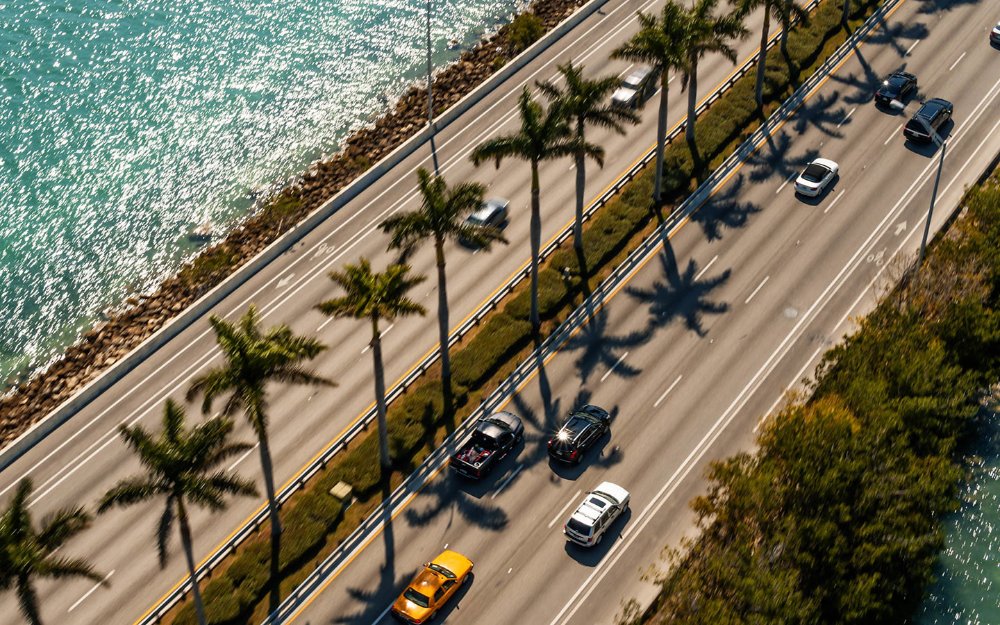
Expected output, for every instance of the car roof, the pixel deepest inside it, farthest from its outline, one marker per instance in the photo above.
(932, 106)
(512, 421)
(639, 73)
(901, 74)
(453, 561)
(491, 429)
(609, 489)
(488, 208)
(577, 424)
(824, 162)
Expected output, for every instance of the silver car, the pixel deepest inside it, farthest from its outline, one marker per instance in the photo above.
(636, 87)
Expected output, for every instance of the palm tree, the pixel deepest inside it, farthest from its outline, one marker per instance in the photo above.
(705, 33)
(26, 554)
(544, 135)
(846, 13)
(783, 11)
(375, 296)
(658, 43)
(585, 102)
(252, 359)
(441, 217)
(182, 466)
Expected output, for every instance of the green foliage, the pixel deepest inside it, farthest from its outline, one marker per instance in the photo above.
(525, 30)
(501, 337)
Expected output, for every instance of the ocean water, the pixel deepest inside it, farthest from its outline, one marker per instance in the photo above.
(967, 589)
(123, 123)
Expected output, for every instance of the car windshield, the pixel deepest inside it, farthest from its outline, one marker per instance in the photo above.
(895, 83)
(440, 569)
(815, 172)
(475, 221)
(580, 528)
(632, 82)
(917, 125)
(411, 594)
(480, 439)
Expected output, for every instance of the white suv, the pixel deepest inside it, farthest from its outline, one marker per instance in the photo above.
(595, 515)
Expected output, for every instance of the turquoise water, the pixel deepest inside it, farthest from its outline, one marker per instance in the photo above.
(967, 590)
(123, 123)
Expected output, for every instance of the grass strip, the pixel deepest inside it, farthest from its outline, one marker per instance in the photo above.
(836, 518)
(237, 592)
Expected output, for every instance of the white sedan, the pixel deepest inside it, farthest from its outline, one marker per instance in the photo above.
(816, 176)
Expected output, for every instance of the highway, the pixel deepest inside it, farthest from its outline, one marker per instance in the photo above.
(78, 462)
(701, 343)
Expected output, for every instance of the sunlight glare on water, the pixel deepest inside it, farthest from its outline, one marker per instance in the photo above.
(124, 123)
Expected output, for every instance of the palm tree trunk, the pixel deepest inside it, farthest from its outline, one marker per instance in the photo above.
(443, 329)
(383, 433)
(185, 529)
(692, 106)
(272, 505)
(661, 137)
(784, 31)
(762, 56)
(536, 244)
(581, 181)
(846, 13)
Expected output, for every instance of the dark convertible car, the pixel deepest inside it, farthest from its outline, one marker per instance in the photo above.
(584, 427)
(492, 439)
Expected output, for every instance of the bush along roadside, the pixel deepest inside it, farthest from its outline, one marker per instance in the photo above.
(836, 517)
(33, 396)
(488, 355)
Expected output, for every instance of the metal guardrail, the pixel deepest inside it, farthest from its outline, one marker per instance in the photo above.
(415, 482)
(361, 425)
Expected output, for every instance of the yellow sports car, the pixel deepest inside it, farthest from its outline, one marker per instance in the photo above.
(432, 588)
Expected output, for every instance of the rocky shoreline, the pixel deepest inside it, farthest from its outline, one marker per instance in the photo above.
(142, 315)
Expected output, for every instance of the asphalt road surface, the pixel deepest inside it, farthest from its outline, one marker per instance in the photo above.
(77, 463)
(701, 343)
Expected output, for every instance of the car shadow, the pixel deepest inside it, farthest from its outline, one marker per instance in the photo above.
(375, 601)
(816, 201)
(592, 556)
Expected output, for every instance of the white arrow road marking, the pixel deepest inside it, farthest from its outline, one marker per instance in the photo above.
(900, 228)
(284, 281)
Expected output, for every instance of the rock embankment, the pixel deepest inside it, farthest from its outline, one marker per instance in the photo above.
(141, 316)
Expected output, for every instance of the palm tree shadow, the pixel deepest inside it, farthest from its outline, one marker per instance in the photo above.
(821, 113)
(374, 601)
(681, 296)
(448, 498)
(777, 161)
(598, 348)
(725, 210)
(935, 6)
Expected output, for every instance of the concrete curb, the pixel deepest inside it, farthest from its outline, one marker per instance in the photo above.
(199, 308)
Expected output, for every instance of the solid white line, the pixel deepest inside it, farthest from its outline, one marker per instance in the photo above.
(759, 286)
(323, 325)
(89, 592)
(613, 367)
(615, 553)
(504, 484)
(957, 61)
(847, 117)
(910, 49)
(705, 268)
(834, 202)
(656, 404)
(783, 184)
(156, 398)
(562, 510)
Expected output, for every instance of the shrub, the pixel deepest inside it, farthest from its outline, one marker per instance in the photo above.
(525, 30)
(501, 337)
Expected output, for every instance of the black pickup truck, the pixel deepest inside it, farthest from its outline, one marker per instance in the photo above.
(492, 439)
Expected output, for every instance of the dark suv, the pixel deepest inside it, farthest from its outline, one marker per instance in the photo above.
(584, 427)
(898, 86)
(929, 118)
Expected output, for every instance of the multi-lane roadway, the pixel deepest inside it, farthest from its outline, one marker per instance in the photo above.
(78, 462)
(701, 343)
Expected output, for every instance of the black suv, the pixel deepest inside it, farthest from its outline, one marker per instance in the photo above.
(899, 86)
(930, 117)
(584, 427)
